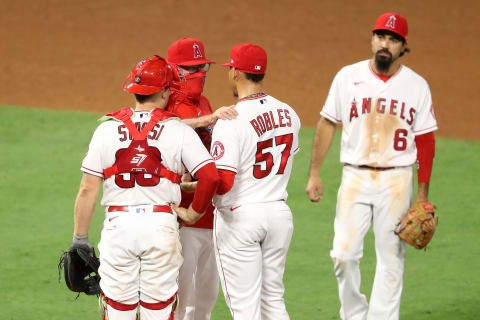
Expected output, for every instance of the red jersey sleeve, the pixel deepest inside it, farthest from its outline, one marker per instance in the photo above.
(425, 154)
(206, 186)
(227, 179)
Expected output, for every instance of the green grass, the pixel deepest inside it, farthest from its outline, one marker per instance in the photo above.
(41, 154)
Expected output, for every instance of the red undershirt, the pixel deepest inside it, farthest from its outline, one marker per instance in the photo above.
(382, 77)
(226, 181)
(425, 153)
(206, 186)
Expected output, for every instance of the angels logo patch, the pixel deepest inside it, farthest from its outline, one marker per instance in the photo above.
(196, 51)
(217, 150)
(391, 22)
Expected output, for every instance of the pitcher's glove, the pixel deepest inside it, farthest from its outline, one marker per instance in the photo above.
(418, 226)
(80, 265)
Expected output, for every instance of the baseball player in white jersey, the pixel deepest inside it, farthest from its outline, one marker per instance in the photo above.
(253, 224)
(140, 156)
(387, 118)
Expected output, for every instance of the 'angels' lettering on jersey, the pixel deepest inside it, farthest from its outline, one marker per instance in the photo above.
(383, 106)
(380, 119)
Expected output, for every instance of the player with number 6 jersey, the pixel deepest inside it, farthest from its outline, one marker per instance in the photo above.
(253, 224)
(388, 124)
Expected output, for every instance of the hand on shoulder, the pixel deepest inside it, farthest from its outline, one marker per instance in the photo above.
(225, 113)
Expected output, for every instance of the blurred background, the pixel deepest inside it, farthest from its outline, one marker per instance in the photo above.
(66, 54)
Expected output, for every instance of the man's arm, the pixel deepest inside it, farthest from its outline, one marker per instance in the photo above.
(85, 203)
(205, 190)
(224, 113)
(321, 144)
(425, 144)
(422, 193)
(227, 179)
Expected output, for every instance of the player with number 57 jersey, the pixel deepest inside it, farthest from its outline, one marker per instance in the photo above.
(258, 146)
(253, 225)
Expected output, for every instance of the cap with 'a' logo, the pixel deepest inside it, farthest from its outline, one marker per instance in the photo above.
(248, 58)
(187, 52)
(393, 22)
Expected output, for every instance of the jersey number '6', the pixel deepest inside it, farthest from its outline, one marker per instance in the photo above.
(267, 157)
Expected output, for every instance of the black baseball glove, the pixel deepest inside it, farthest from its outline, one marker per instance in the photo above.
(80, 265)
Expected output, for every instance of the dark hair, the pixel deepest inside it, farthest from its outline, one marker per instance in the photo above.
(143, 98)
(395, 36)
(254, 77)
(405, 51)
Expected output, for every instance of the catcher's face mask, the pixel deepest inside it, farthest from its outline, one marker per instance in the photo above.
(190, 83)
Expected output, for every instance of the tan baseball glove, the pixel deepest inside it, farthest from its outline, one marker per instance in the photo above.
(418, 226)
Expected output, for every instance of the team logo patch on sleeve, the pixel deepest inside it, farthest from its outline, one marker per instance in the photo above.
(217, 150)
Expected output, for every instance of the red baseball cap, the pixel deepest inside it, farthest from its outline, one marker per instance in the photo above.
(187, 52)
(393, 22)
(149, 76)
(248, 58)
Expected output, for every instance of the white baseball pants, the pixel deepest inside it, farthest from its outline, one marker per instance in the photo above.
(364, 196)
(140, 256)
(198, 278)
(251, 244)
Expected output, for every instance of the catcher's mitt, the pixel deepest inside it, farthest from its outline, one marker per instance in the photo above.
(81, 270)
(418, 227)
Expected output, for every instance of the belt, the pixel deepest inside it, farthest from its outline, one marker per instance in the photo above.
(375, 168)
(156, 208)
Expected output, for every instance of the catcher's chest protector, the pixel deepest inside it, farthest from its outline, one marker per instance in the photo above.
(139, 157)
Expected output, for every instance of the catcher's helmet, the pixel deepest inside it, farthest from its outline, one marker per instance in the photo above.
(149, 76)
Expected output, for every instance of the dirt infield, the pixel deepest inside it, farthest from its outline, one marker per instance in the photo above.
(67, 54)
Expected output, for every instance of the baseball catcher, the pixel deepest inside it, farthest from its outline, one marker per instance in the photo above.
(80, 265)
(418, 226)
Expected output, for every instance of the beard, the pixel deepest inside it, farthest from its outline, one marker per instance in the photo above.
(382, 62)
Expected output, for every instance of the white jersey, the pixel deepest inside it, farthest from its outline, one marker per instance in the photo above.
(258, 146)
(179, 146)
(380, 119)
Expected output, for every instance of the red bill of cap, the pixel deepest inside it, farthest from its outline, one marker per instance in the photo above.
(393, 22)
(248, 58)
(187, 52)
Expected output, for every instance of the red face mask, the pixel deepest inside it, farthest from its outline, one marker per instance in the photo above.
(190, 84)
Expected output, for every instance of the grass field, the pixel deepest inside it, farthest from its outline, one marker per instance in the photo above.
(39, 176)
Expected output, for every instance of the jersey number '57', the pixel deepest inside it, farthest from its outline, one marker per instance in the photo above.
(263, 155)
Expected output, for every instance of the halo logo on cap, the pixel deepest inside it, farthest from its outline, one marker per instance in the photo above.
(137, 79)
(196, 51)
(391, 22)
(258, 67)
